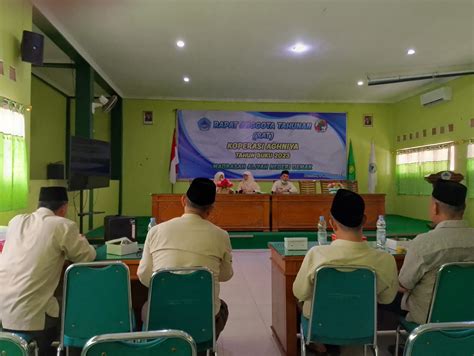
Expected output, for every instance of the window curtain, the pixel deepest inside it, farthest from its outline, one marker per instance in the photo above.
(413, 165)
(470, 170)
(13, 161)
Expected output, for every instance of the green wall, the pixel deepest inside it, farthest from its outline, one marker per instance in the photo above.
(410, 117)
(48, 144)
(15, 16)
(147, 147)
(48, 127)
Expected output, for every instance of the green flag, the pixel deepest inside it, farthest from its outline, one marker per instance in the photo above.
(351, 168)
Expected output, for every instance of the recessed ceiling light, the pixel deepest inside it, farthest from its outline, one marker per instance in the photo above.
(299, 48)
(186, 79)
(411, 51)
(180, 44)
(360, 83)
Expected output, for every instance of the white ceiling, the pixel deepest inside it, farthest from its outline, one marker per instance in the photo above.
(238, 49)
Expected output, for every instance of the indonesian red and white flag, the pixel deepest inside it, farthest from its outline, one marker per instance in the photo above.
(174, 160)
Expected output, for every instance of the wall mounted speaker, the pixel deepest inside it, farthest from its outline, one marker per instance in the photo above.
(32, 44)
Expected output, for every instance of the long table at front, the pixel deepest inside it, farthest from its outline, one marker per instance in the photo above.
(263, 212)
(285, 267)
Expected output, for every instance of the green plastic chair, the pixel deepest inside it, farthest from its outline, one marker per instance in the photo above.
(452, 299)
(145, 343)
(183, 299)
(343, 309)
(441, 339)
(96, 301)
(12, 345)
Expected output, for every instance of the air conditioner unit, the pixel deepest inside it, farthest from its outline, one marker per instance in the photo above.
(436, 96)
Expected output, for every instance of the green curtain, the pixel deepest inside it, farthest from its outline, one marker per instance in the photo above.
(14, 174)
(410, 177)
(470, 177)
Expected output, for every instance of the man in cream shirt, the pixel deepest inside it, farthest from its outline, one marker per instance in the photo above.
(283, 185)
(189, 241)
(31, 264)
(347, 220)
(452, 240)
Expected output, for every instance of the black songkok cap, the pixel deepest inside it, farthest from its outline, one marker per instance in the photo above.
(449, 192)
(348, 208)
(202, 191)
(284, 172)
(53, 194)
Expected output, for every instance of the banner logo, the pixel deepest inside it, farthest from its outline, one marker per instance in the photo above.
(321, 126)
(204, 124)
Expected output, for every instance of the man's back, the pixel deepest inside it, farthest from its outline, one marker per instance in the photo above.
(450, 241)
(187, 241)
(31, 264)
(343, 252)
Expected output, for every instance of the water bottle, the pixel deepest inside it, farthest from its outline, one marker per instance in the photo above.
(134, 229)
(322, 233)
(381, 232)
(152, 223)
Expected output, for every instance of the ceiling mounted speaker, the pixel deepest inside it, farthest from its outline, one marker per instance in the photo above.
(32, 44)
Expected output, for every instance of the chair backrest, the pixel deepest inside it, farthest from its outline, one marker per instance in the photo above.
(161, 342)
(307, 186)
(96, 300)
(441, 339)
(12, 345)
(183, 299)
(344, 306)
(352, 185)
(453, 294)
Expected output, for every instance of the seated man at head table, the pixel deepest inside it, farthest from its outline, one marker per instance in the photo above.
(347, 219)
(283, 185)
(31, 264)
(452, 240)
(189, 241)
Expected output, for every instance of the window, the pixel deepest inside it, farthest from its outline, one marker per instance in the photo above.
(13, 161)
(415, 163)
(470, 170)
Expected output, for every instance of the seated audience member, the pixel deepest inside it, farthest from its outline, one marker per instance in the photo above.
(347, 219)
(189, 241)
(31, 265)
(248, 184)
(283, 185)
(452, 240)
(223, 185)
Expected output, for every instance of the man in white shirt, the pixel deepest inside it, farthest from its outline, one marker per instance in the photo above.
(283, 185)
(452, 240)
(31, 264)
(347, 219)
(189, 241)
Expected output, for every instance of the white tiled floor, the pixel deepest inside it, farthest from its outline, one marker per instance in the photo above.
(248, 295)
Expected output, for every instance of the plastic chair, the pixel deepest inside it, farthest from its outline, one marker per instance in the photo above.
(96, 300)
(183, 299)
(452, 299)
(162, 342)
(343, 309)
(13, 345)
(441, 339)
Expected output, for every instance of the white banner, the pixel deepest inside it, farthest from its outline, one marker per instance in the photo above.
(309, 145)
